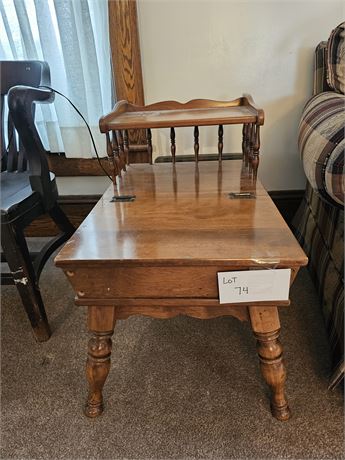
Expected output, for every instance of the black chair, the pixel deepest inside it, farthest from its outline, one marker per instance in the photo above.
(28, 188)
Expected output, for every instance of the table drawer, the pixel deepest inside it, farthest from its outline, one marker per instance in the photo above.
(146, 282)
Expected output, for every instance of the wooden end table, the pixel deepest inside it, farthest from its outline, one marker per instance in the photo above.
(159, 256)
(155, 242)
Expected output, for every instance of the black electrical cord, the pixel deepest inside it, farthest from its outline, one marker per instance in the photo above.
(86, 123)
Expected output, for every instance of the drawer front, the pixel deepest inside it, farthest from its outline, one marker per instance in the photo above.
(146, 282)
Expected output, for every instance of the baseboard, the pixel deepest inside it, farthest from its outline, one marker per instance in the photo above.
(78, 207)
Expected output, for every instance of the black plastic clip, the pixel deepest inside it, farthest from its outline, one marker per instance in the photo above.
(122, 198)
(242, 195)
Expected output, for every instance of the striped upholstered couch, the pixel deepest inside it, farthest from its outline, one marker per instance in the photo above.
(319, 222)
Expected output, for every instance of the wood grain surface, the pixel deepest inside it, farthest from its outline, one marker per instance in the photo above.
(197, 112)
(125, 49)
(183, 214)
(126, 58)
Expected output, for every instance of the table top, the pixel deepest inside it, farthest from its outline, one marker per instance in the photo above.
(167, 114)
(183, 215)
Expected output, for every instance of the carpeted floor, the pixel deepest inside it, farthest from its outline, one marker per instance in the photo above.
(180, 388)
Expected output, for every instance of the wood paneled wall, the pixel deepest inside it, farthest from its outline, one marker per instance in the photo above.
(125, 50)
(126, 58)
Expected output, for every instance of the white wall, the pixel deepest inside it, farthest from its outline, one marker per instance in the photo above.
(221, 49)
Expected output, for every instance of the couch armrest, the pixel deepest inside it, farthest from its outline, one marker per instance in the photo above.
(321, 144)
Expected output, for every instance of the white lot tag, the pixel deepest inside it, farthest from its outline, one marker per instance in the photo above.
(254, 285)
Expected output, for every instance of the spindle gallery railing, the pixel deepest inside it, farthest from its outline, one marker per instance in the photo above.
(171, 114)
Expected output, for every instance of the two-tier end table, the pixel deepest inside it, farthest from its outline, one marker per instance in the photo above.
(156, 240)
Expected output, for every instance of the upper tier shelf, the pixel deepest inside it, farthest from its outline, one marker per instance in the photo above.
(167, 114)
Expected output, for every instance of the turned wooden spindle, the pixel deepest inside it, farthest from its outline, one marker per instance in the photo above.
(116, 151)
(111, 157)
(244, 139)
(173, 145)
(110, 151)
(256, 151)
(97, 370)
(149, 143)
(196, 143)
(246, 143)
(266, 328)
(126, 145)
(121, 149)
(251, 145)
(220, 142)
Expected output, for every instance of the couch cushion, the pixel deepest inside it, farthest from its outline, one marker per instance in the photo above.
(321, 144)
(336, 59)
(319, 228)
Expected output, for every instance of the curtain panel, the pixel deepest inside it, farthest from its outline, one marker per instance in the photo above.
(73, 37)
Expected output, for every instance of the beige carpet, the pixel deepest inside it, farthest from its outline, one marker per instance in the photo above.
(180, 388)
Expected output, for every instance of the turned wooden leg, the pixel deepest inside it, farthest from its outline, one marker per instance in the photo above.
(266, 327)
(101, 322)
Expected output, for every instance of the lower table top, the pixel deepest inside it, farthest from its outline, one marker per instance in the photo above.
(183, 215)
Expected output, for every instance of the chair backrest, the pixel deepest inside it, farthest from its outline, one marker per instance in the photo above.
(13, 73)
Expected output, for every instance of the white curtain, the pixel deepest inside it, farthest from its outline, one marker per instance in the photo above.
(73, 37)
